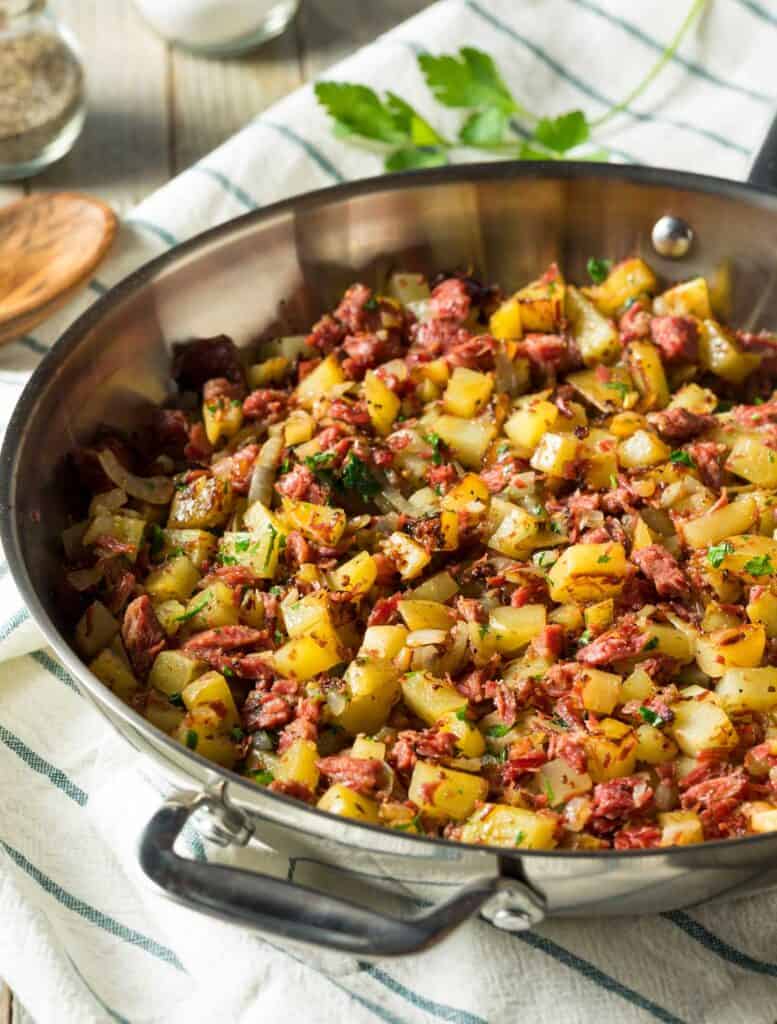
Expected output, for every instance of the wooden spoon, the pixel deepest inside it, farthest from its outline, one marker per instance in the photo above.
(49, 246)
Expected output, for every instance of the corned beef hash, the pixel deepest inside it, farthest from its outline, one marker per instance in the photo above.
(499, 569)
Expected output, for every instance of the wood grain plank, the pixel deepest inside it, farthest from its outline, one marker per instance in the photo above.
(6, 1003)
(212, 99)
(122, 154)
(331, 31)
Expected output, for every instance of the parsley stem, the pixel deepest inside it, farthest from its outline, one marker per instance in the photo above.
(695, 10)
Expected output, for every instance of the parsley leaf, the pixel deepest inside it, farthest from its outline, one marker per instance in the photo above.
(761, 565)
(560, 134)
(484, 128)
(651, 717)
(469, 80)
(651, 644)
(236, 733)
(157, 544)
(584, 638)
(356, 476)
(548, 789)
(191, 739)
(619, 386)
(417, 128)
(496, 731)
(603, 559)
(358, 110)
(682, 458)
(264, 778)
(519, 837)
(461, 714)
(319, 460)
(716, 553)
(435, 441)
(598, 269)
(409, 159)
(194, 611)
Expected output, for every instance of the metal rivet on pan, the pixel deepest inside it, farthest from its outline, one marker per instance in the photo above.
(672, 237)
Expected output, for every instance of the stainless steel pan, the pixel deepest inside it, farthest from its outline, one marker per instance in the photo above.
(277, 269)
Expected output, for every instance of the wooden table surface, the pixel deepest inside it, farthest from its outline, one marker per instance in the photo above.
(154, 109)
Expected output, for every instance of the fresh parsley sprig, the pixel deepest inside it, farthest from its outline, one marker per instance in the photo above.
(494, 120)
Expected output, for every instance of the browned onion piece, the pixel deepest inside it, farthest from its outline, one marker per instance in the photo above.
(157, 490)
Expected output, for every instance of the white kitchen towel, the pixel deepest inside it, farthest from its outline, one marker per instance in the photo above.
(81, 939)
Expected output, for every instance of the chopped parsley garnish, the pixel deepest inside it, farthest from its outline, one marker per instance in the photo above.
(651, 644)
(497, 731)
(227, 559)
(278, 636)
(761, 565)
(242, 544)
(461, 714)
(557, 720)
(435, 441)
(270, 547)
(228, 672)
(319, 460)
(613, 481)
(603, 559)
(236, 733)
(356, 476)
(682, 458)
(556, 527)
(651, 717)
(371, 304)
(176, 699)
(519, 837)
(548, 790)
(191, 739)
(157, 542)
(598, 269)
(584, 638)
(264, 778)
(276, 591)
(716, 553)
(194, 611)
(484, 630)
(619, 386)
(284, 467)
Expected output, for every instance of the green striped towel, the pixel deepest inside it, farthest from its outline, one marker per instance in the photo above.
(81, 939)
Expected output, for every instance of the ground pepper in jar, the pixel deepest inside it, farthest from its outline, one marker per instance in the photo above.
(41, 95)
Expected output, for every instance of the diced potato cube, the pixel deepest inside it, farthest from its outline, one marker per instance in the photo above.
(430, 698)
(748, 689)
(648, 374)
(694, 399)
(410, 557)
(298, 428)
(595, 335)
(440, 587)
(626, 280)
(720, 354)
(302, 616)
(114, 673)
(514, 628)
(222, 417)
(320, 381)
(468, 492)
(212, 607)
(320, 523)
(468, 439)
(469, 739)
(763, 609)
(588, 572)
(600, 690)
(339, 799)
(383, 642)
(162, 714)
(382, 403)
(637, 686)
(468, 392)
(600, 615)
(503, 825)
(425, 614)
(754, 461)
(257, 550)
(205, 502)
(612, 752)
(368, 749)
(560, 781)
(609, 393)
(557, 455)
(642, 449)
(356, 575)
(701, 724)
(201, 730)
(213, 689)
(175, 580)
(268, 372)
(542, 302)
(691, 298)
(169, 615)
(680, 828)
(737, 647)
(653, 746)
(663, 639)
(172, 671)
(534, 417)
(445, 793)
(505, 322)
(298, 764)
(761, 816)
(126, 529)
(95, 630)
(514, 531)
(715, 526)
(372, 687)
(197, 545)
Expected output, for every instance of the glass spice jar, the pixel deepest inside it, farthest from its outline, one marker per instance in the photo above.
(42, 99)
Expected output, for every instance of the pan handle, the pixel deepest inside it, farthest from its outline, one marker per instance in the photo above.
(291, 911)
(764, 169)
